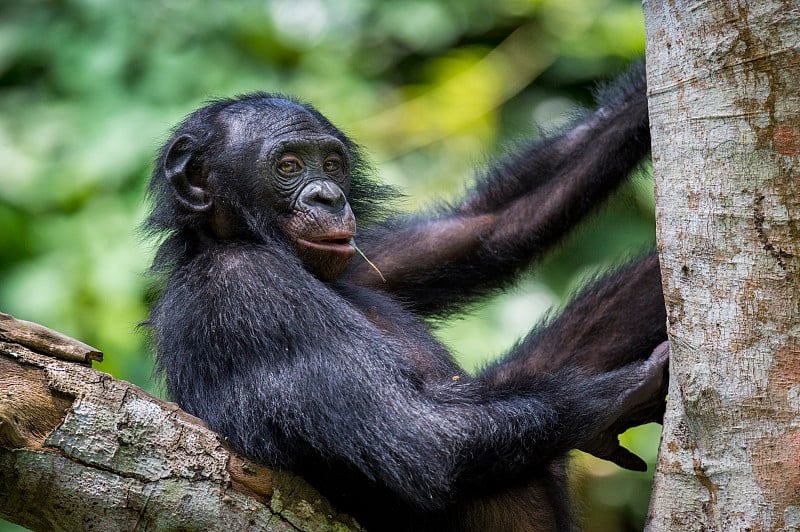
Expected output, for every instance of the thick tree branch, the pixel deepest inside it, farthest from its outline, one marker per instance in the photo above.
(80, 450)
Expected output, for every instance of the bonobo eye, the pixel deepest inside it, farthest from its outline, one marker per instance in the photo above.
(332, 164)
(290, 166)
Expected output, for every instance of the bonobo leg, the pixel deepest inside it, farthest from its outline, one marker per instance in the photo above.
(616, 321)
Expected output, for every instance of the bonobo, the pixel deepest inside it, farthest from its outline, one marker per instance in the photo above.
(306, 358)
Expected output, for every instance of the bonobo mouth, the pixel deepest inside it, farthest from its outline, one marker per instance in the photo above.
(338, 243)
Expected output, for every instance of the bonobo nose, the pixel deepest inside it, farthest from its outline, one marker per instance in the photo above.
(322, 194)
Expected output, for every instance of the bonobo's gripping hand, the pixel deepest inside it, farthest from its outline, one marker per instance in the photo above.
(642, 402)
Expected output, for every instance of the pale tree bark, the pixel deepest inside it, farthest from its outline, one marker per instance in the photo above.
(724, 81)
(82, 451)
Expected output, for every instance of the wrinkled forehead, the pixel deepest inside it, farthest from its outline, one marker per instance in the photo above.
(273, 119)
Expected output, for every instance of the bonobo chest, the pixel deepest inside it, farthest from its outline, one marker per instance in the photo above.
(392, 318)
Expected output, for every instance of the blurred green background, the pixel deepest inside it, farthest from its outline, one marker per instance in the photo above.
(90, 88)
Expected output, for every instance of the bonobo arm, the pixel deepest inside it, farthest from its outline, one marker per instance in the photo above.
(245, 361)
(522, 207)
(433, 446)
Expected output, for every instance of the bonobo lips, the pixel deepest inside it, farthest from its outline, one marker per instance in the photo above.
(336, 243)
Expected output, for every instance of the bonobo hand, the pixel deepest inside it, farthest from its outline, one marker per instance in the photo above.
(643, 402)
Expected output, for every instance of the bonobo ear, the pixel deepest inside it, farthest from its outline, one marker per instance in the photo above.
(185, 176)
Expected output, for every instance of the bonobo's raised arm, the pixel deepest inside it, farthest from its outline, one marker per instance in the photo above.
(521, 207)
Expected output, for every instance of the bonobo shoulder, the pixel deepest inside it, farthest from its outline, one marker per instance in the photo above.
(237, 260)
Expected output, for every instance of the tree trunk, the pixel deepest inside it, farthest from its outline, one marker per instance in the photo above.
(80, 450)
(724, 81)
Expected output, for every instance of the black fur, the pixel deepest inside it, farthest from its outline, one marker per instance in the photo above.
(340, 379)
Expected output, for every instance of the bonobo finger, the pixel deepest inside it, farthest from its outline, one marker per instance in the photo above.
(627, 460)
(653, 377)
(657, 363)
(661, 353)
(660, 366)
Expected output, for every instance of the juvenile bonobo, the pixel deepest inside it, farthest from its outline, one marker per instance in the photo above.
(273, 332)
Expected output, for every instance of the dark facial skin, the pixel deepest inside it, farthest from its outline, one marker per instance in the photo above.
(287, 168)
(308, 173)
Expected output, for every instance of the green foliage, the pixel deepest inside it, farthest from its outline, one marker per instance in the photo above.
(89, 89)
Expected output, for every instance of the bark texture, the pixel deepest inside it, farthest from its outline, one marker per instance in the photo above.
(82, 451)
(724, 81)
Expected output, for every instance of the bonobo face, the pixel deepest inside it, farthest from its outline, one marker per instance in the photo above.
(306, 174)
(277, 165)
